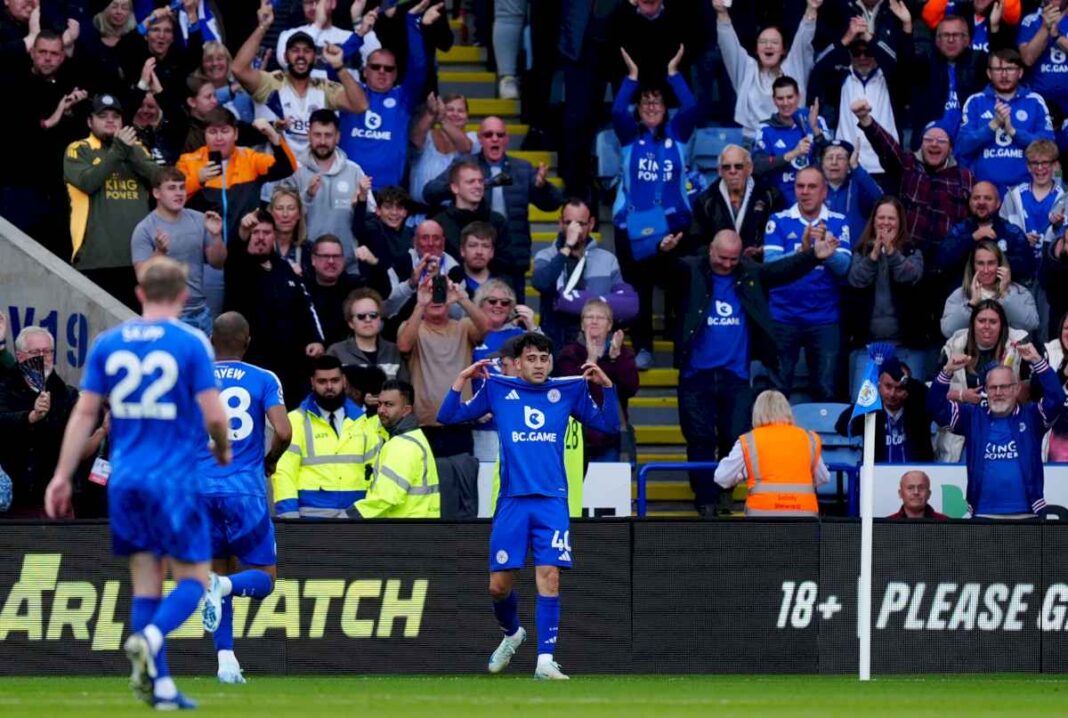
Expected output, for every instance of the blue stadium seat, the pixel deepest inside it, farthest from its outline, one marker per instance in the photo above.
(709, 142)
(609, 158)
(821, 418)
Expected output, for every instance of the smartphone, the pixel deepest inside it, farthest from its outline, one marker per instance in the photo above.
(439, 289)
(215, 157)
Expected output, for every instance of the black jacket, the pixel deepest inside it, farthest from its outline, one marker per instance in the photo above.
(711, 214)
(751, 282)
(917, 426)
(929, 77)
(518, 196)
(29, 452)
(506, 256)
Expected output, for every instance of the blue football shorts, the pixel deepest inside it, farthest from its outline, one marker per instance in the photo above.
(241, 526)
(157, 518)
(521, 523)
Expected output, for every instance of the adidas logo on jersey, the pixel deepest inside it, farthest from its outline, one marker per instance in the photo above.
(780, 144)
(987, 115)
(512, 395)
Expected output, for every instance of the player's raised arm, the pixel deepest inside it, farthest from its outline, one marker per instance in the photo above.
(452, 410)
(83, 419)
(605, 417)
(216, 423)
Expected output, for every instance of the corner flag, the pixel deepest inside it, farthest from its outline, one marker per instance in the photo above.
(868, 399)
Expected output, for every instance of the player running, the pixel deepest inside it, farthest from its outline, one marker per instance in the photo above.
(156, 375)
(235, 497)
(532, 411)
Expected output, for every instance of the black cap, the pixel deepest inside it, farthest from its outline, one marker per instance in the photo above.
(300, 36)
(106, 102)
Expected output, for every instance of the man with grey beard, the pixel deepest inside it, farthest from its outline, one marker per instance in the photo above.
(1004, 438)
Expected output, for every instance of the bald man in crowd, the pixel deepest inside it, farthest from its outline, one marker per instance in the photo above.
(915, 492)
(726, 323)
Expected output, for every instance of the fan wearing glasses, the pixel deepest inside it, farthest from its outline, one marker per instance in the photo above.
(735, 201)
(35, 404)
(366, 347)
(942, 79)
(329, 284)
(378, 137)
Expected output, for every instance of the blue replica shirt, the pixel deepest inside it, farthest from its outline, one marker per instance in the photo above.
(1003, 485)
(377, 138)
(532, 425)
(813, 299)
(1049, 75)
(723, 341)
(150, 372)
(995, 156)
(776, 140)
(1036, 212)
(247, 392)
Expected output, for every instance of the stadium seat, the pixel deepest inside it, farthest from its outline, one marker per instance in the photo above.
(609, 158)
(821, 418)
(708, 143)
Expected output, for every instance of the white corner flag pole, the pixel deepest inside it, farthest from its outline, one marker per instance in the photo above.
(867, 508)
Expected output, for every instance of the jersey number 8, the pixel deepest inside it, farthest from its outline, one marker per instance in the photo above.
(137, 370)
(237, 401)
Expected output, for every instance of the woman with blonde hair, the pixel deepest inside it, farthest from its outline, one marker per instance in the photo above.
(215, 68)
(781, 463)
(291, 229)
(438, 137)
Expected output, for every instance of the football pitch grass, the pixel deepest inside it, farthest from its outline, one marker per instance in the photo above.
(514, 695)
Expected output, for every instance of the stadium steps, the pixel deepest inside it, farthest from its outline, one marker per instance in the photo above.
(654, 412)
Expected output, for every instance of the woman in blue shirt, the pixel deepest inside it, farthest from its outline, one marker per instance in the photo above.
(651, 210)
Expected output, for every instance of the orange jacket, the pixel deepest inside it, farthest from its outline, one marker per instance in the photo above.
(780, 466)
(935, 10)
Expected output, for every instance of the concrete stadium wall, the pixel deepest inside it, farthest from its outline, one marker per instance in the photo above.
(39, 289)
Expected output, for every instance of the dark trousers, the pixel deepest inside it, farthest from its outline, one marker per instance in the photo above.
(644, 275)
(517, 280)
(715, 408)
(823, 353)
(449, 440)
(584, 85)
(119, 282)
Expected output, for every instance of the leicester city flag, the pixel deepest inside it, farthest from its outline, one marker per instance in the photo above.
(868, 399)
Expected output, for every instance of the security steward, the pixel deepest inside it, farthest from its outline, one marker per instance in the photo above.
(781, 463)
(405, 480)
(326, 468)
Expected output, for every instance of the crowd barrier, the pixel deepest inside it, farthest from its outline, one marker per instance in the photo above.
(648, 596)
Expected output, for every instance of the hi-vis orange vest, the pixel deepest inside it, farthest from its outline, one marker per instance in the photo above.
(780, 465)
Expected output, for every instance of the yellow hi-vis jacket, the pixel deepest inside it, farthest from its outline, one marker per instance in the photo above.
(405, 481)
(323, 473)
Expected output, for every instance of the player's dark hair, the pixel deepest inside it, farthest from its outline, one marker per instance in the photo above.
(784, 81)
(230, 334)
(402, 387)
(324, 117)
(507, 350)
(534, 340)
(324, 362)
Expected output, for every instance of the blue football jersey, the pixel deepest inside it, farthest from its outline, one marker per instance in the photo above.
(150, 372)
(532, 423)
(247, 392)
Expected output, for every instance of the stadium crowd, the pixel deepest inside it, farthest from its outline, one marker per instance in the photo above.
(893, 177)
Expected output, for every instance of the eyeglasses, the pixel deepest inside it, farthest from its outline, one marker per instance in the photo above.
(652, 103)
(379, 67)
(999, 388)
(862, 52)
(365, 316)
(329, 257)
(952, 35)
(936, 141)
(493, 133)
(37, 352)
(1038, 164)
(1004, 69)
(736, 166)
(498, 302)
